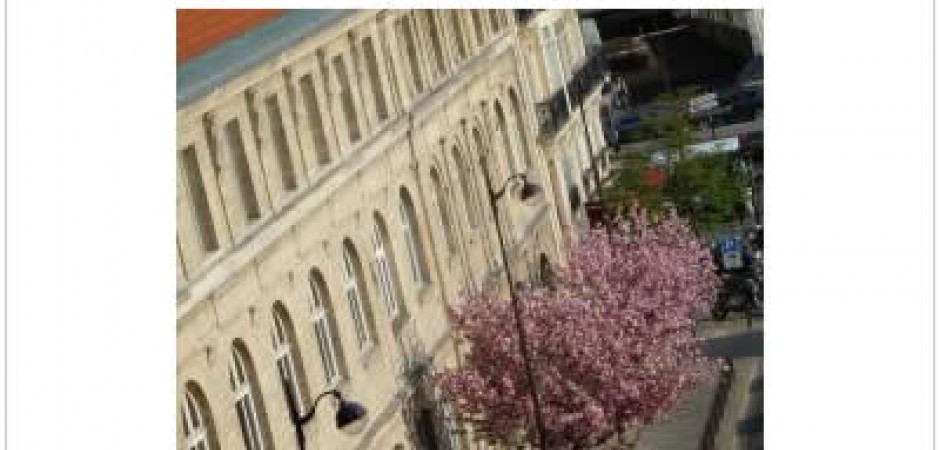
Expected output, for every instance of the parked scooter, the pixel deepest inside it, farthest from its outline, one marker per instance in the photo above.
(739, 267)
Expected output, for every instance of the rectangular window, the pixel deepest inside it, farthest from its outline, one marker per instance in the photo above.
(553, 66)
(372, 67)
(458, 36)
(200, 202)
(406, 37)
(346, 98)
(281, 148)
(494, 20)
(315, 119)
(435, 42)
(478, 26)
(564, 51)
(233, 136)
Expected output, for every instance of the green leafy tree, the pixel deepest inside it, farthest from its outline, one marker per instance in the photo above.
(708, 189)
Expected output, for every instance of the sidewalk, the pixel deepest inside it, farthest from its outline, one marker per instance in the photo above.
(685, 427)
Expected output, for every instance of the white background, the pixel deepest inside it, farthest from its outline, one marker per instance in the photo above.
(90, 355)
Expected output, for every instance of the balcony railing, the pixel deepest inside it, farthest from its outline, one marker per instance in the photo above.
(523, 15)
(553, 112)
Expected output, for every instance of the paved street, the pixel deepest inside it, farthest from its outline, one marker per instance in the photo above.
(751, 426)
(742, 422)
(741, 427)
(703, 135)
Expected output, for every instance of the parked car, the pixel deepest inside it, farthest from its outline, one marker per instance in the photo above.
(744, 99)
(752, 146)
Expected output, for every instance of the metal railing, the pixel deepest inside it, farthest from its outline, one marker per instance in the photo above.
(523, 15)
(553, 112)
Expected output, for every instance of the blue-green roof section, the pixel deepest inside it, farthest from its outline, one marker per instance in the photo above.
(201, 75)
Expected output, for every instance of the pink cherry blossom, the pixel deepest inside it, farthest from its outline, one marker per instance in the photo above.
(611, 342)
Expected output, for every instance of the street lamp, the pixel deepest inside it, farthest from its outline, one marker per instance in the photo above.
(350, 415)
(528, 191)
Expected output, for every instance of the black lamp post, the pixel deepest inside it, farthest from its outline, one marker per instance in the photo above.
(350, 416)
(527, 191)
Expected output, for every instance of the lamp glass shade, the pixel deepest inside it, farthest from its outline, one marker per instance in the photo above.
(529, 191)
(350, 417)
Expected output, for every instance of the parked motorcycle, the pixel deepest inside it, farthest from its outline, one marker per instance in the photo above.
(737, 293)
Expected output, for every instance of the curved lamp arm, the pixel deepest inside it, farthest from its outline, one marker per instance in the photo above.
(502, 190)
(303, 419)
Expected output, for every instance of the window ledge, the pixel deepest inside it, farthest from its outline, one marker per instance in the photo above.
(423, 292)
(400, 319)
(367, 354)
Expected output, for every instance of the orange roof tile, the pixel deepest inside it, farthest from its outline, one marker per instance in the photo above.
(198, 30)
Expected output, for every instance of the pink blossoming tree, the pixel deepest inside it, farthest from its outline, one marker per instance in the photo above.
(611, 341)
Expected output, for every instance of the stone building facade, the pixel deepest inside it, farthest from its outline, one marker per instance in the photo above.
(331, 202)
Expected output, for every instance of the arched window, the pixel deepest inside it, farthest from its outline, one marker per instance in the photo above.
(507, 140)
(546, 275)
(491, 168)
(413, 241)
(386, 273)
(354, 288)
(323, 327)
(247, 398)
(288, 361)
(520, 127)
(570, 178)
(443, 210)
(464, 177)
(198, 430)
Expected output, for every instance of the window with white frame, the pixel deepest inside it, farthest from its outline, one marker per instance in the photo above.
(286, 358)
(464, 177)
(323, 328)
(495, 24)
(556, 76)
(443, 210)
(505, 133)
(519, 128)
(354, 290)
(242, 383)
(409, 223)
(197, 427)
(563, 46)
(493, 169)
(384, 263)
